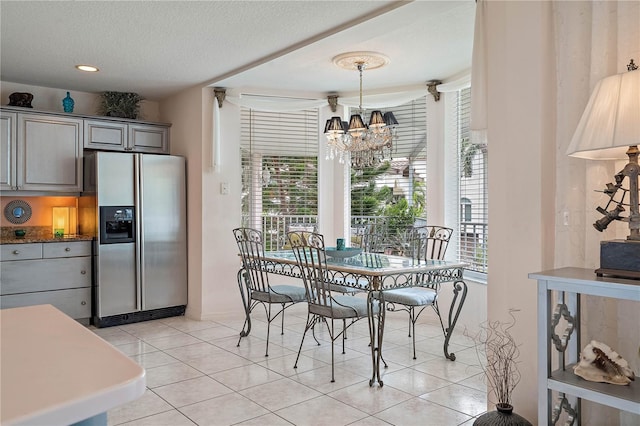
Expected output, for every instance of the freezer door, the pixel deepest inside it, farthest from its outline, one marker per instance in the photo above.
(116, 283)
(115, 178)
(163, 233)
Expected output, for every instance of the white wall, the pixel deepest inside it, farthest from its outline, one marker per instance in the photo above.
(521, 173)
(593, 40)
(213, 260)
(534, 104)
(50, 99)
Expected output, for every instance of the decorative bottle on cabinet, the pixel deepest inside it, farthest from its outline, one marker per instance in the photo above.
(67, 103)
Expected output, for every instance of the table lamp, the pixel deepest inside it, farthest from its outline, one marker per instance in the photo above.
(64, 221)
(609, 129)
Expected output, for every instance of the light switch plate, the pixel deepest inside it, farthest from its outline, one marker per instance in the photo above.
(224, 188)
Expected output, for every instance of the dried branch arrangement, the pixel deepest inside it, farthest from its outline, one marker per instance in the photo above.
(502, 352)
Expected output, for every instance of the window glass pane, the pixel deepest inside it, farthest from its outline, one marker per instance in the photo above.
(391, 195)
(279, 154)
(472, 167)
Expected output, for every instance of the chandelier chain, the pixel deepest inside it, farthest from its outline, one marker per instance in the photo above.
(360, 144)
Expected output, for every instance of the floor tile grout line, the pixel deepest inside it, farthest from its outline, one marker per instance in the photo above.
(260, 362)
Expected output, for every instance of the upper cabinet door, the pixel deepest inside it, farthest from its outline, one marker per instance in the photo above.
(148, 138)
(105, 135)
(49, 153)
(115, 136)
(7, 150)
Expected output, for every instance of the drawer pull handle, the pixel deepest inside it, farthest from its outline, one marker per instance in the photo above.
(16, 252)
(67, 249)
(83, 272)
(83, 303)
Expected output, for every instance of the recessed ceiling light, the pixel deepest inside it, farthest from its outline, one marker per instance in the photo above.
(87, 68)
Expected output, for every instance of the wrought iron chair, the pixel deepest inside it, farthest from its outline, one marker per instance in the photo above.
(370, 237)
(253, 280)
(324, 305)
(424, 243)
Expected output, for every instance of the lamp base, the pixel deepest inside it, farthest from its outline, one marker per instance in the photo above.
(620, 258)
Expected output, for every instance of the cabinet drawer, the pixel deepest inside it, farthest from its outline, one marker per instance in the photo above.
(45, 274)
(20, 252)
(74, 302)
(66, 249)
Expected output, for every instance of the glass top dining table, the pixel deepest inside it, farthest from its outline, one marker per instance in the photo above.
(376, 273)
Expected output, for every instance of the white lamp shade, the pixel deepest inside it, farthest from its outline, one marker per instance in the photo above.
(611, 121)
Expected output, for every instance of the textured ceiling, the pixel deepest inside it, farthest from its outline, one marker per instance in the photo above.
(157, 48)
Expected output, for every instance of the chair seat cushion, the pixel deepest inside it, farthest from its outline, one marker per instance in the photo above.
(411, 296)
(281, 294)
(344, 307)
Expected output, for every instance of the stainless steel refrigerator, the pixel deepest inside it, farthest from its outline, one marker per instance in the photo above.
(135, 205)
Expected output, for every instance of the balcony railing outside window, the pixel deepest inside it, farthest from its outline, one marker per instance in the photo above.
(472, 247)
(472, 238)
(275, 228)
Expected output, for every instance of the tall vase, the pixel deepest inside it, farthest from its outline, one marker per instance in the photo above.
(503, 416)
(67, 103)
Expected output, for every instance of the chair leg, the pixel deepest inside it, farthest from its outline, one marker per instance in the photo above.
(243, 333)
(310, 323)
(435, 308)
(268, 329)
(313, 328)
(282, 324)
(332, 351)
(413, 326)
(344, 334)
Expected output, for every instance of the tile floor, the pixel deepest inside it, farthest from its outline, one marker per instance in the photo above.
(196, 375)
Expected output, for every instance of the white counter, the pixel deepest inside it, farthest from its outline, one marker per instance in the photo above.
(54, 371)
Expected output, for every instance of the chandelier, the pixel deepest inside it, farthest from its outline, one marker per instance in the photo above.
(364, 145)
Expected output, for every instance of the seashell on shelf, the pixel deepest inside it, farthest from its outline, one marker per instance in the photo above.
(600, 363)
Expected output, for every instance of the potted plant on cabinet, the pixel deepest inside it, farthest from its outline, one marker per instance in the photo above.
(120, 104)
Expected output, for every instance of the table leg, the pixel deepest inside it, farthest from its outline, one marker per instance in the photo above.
(458, 286)
(376, 332)
(245, 292)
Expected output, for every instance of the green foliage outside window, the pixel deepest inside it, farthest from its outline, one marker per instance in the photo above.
(366, 199)
(291, 187)
(369, 200)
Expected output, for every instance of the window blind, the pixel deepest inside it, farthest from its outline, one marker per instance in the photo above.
(279, 155)
(392, 194)
(472, 190)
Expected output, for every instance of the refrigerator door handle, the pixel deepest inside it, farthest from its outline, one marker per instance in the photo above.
(139, 232)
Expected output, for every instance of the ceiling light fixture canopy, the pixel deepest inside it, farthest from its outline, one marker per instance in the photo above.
(366, 145)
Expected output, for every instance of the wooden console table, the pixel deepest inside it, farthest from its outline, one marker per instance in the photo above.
(563, 288)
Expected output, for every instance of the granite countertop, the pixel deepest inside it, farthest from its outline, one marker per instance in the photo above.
(36, 234)
(43, 239)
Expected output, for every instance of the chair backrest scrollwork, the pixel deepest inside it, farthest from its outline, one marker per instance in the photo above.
(429, 242)
(308, 248)
(251, 246)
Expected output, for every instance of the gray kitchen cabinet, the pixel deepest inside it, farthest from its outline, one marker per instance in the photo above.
(7, 150)
(40, 153)
(57, 273)
(121, 136)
